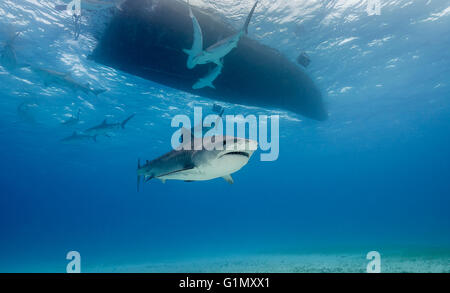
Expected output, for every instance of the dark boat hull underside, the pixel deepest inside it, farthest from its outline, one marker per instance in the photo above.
(147, 39)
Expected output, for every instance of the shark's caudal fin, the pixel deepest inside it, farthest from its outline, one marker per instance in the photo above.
(126, 121)
(249, 17)
(94, 138)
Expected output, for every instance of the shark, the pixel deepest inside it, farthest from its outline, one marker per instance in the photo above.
(197, 46)
(216, 52)
(106, 128)
(79, 137)
(8, 57)
(72, 120)
(52, 77)
(208, 80)
(217, 159)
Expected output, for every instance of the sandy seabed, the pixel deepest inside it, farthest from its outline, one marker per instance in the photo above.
(311, 263)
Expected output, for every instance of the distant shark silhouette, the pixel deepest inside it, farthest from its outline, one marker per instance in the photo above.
(79, 137)
(52, 77)
(106, 128)
(148, 38)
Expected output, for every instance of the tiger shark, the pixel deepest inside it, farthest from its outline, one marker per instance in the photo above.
(216, 52)
(64, 80)
(106, 128)
(208, 80)
(197, 46)
(218, 159)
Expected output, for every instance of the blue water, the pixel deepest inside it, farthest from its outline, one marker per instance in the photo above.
(374, 176)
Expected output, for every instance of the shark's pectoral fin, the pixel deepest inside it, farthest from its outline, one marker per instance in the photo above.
(188, 52)
(228, 179)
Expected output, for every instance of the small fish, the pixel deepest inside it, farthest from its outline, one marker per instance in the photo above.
(72, 120)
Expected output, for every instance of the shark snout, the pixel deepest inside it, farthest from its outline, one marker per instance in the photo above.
(245, 147)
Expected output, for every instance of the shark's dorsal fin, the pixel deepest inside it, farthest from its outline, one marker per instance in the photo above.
(104, 121)
(228, 179)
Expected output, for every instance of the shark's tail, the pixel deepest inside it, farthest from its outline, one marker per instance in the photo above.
(126, 121)
(94, 138)
(249, 17)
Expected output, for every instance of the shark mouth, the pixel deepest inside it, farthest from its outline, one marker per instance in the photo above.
(236, 154)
